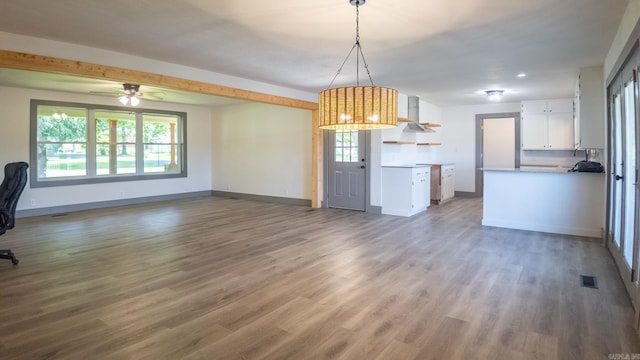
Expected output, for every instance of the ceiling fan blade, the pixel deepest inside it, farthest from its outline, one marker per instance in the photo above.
(105, 92)
(155, 95)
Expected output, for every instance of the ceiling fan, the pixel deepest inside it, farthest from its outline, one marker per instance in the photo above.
(130, 94)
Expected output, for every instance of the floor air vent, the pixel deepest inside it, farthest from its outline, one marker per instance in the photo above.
(588, 281)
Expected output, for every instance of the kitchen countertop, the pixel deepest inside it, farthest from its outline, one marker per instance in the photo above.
(445, 163)
(539, 169)
(406, 166)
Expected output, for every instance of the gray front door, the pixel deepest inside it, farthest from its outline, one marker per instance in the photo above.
(346, 170)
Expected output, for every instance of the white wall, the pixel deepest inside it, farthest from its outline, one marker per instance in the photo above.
(629, 21)
(262, 149)
(459, 139)
(431, 154)
(14, 141)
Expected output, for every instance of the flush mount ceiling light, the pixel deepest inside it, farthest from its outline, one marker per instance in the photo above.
(131, 94)
(494, 95)
(357, 107)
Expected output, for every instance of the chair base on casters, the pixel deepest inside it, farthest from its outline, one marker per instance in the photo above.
(8, 254)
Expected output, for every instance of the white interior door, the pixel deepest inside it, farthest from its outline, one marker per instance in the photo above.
(498, 144)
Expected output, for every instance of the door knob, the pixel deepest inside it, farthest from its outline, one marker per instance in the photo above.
(618, 177)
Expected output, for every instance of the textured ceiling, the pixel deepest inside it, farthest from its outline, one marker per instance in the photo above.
(443, 51)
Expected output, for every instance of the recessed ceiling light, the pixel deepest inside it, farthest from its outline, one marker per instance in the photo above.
(521, 75)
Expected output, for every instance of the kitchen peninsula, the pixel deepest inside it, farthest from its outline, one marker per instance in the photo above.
(550, 200)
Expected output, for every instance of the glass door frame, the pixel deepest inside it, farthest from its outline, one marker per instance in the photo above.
(628, 270)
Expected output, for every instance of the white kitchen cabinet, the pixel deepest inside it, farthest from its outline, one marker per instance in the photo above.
(547, 125)
(589, 109)
(442, 182)
(448, 182)
(405, 189)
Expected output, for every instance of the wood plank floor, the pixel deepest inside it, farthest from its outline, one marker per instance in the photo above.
(214, 278)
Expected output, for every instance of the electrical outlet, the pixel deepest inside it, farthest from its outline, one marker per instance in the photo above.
(33, 202)
(228, 186)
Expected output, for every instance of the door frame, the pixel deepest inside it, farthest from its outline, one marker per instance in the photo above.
(480, 144)
(628, 273)
(367, 171)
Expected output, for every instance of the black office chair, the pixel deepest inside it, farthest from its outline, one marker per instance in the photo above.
(15, 178)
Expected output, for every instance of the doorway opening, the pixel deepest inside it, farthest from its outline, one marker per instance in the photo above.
(497, 144)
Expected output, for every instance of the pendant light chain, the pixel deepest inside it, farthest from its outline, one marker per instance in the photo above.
(357, 107)
(359, 54)
(366, 66)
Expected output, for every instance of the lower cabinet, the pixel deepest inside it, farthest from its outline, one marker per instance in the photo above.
(443, 182)
(405, 190)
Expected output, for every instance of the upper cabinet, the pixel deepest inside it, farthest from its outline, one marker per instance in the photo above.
(547, 124)
(589, 109)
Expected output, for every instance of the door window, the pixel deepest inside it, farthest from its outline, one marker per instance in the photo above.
(346, 146)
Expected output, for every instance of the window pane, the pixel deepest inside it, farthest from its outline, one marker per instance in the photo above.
(126, 159)
(353, 138)
(339, 154)
(354, 154)
(116, 138)
(102, 159)
(61, 141)
(346, 139)
(61, 124)
(102, 130)
(120, 163)
(61, 160)
(162, 148)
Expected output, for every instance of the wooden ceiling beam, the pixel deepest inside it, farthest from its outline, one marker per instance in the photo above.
(31, 62)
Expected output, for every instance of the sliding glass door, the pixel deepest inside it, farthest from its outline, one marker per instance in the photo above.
(623, 223)
(630, 174)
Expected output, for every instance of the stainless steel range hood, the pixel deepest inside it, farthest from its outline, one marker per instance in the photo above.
(414, 114)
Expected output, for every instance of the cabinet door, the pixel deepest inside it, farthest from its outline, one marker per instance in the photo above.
(419, 194)
(534, 107)
(590, 110)
(560, 106)
(449, 180)
(560, 129)
(534, 131)
(435, 183)
(426, 189)
(448, 191)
